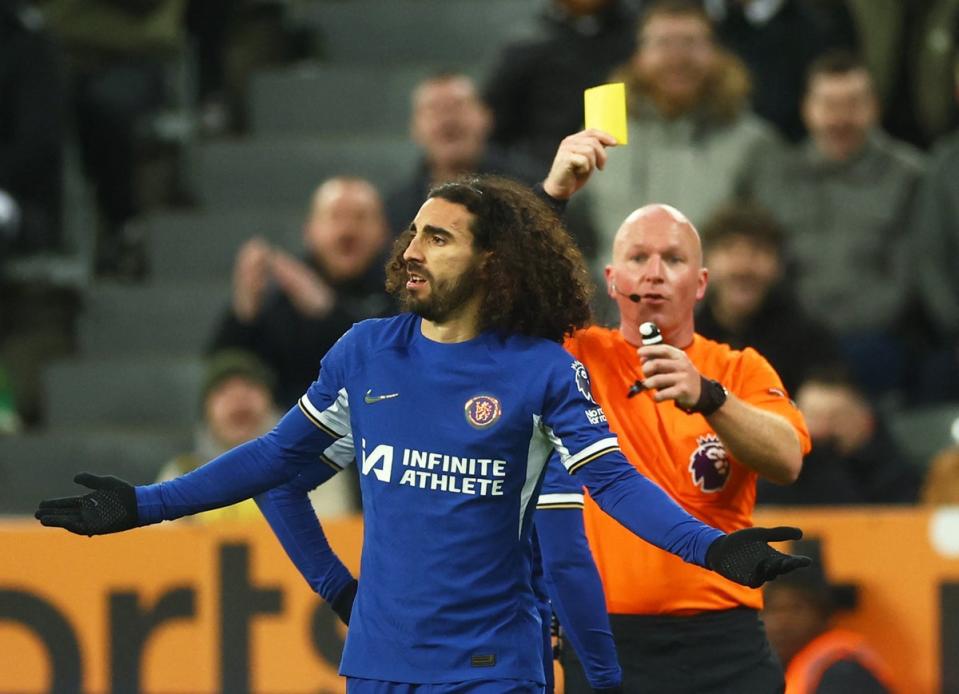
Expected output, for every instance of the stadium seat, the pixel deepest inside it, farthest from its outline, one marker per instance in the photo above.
(285, 171)
(201, 246)
(137, 391)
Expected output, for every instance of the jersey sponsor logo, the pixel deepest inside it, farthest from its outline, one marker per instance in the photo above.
(436, 471)
(582, 380)
(595, 415)
(381, 456)
(371, 399)
(709, 465)
(482, 411)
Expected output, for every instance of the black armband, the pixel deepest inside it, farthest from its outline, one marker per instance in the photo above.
(712, 396)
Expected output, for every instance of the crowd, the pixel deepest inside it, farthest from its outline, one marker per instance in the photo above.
(824, 196)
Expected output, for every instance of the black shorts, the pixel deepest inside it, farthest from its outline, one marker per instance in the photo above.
(711, 653)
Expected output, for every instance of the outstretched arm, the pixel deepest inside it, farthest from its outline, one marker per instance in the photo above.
(644, 508)
(249, 469)
(307, 435)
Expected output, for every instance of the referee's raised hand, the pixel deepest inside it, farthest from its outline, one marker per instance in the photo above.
(745, 557)
(110, 508)
(577, 157)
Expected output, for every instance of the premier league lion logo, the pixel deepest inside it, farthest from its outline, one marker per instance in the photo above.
(708, 465)
(582, 381)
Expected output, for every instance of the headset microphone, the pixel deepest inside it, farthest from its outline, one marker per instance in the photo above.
(635, 298)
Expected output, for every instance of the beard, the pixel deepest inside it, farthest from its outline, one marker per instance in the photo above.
(446, 297)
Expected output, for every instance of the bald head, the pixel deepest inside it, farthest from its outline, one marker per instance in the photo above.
(658, 218)
(339, 186)
(346, 229)
(657, 273)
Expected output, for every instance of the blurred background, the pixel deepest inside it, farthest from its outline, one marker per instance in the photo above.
(196, 197)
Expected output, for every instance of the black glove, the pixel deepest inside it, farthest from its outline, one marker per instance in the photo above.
(112, 507)
(744, 556)
(342, 604)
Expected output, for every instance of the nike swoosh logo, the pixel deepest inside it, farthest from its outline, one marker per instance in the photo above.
(371, 399)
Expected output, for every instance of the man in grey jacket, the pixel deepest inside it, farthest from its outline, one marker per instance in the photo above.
(844, 198)
(691, 133)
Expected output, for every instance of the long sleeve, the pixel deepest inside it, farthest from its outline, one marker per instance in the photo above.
(288, 510)
(645, 509)
(294, 445)
(576, 593)
(577, 430)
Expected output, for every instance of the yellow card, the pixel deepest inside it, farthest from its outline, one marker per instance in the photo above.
(606, 110)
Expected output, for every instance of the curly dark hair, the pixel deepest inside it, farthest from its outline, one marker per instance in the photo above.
(536, 279)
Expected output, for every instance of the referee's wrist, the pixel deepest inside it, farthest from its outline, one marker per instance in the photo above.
(712, 396)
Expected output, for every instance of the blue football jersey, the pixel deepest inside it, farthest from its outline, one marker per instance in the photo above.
(452, 442)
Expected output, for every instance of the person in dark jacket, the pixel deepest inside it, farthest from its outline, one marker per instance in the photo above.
(855, 457)
(536, 88)
(289, 311)
(750, 304)
(31, 131)
(451, 125)
(819, 656)
(778, 41)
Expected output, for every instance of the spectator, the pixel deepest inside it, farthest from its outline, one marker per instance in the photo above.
(31, 131)
(237, 407)
(936, 248)
(941, 484)
(231, 39)
(691, 135)
(536, 88)
(778, 41)
(451, 125)
(819, 657)
(909, 48)
(290, 311)
(854, 459)
(119, 53)
(748, 303)
(843, 197)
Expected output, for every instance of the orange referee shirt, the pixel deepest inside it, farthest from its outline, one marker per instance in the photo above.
(682, 454)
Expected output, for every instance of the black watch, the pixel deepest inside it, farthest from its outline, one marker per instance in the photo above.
(712, 396)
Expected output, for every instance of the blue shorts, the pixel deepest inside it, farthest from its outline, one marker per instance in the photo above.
(355, 685)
